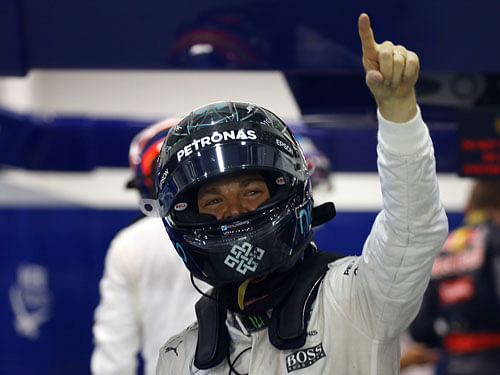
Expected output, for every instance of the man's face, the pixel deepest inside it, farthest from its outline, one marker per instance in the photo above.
(232, 196)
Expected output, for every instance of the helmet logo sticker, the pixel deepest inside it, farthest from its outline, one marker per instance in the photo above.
(215, 137)
(180, 206)
(305, 214)
(181, 252)
(284, 146)
(280, 180)
(163, 178)
(234, 225)
(244, 258)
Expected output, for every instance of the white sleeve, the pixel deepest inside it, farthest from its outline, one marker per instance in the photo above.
(382, 290)
(116, 325)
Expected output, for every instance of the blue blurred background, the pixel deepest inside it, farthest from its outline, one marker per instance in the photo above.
(79, 79)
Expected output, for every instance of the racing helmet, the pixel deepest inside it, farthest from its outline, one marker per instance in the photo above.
(143, 153)
(226, 139)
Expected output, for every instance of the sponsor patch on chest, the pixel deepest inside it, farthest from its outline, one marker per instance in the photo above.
(304, 357)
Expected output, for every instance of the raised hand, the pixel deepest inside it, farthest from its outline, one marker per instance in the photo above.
(391, 74)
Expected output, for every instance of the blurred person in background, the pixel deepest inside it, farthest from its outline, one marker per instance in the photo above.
(460, 313)
(234, 193)
(145, 295)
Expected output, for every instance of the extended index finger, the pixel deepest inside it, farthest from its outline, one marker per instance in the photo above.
(368, 43)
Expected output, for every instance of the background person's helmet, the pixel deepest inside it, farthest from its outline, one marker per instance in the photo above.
(223, 139)
(143, 154)
(318, 164)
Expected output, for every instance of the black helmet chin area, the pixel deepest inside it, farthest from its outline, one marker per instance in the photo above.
(248, 246)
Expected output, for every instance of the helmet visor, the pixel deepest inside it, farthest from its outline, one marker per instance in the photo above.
(221, 160)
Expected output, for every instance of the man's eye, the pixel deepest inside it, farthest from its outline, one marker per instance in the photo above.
(253, 192)
(212, 202)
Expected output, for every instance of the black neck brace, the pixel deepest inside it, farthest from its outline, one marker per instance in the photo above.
(287, 327)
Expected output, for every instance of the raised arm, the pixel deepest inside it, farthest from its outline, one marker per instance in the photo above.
(390, 277)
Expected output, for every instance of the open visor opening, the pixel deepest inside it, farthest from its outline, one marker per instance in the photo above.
(221, 160)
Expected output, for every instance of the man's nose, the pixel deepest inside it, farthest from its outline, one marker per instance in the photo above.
(234, 208)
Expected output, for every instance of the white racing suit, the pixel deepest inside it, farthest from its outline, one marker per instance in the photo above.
(146, 297)
(363, 303)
